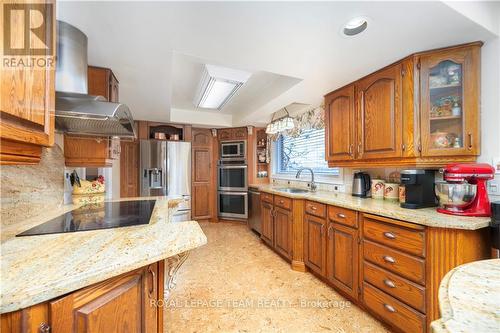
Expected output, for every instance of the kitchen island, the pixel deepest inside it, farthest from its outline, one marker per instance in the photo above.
(81, 277)
(469, 299)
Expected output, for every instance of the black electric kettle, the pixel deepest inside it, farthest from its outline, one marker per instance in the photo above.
(361, 185)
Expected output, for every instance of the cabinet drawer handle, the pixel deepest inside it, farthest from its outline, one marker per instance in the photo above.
(350, 150)
(329, 230)
(389, 235)
(342, 216)
(44, 328)
(389, 259)
(153, 285)
(470, 141)
(389, 308)
(321, 229)
(389, 283)
(313, 208)
(282, 202)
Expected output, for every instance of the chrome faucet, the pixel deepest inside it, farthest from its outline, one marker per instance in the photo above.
(313, 184)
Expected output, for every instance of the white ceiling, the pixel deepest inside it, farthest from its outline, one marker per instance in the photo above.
(260, 88)
(294, 49)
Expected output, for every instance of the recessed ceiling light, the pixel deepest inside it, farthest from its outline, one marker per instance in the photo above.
(355, 26)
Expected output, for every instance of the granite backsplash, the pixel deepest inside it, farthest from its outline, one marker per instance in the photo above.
(26, 190)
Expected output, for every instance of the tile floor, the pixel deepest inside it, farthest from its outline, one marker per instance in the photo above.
(236, 284)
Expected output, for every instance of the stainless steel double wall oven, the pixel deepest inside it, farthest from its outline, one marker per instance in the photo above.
(232, 181)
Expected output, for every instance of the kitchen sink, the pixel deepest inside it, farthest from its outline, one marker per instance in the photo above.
(292, 190)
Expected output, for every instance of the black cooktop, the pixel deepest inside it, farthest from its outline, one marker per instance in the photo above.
(104, 215)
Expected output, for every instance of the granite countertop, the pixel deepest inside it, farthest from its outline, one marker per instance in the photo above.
(35, 269)
(424, 216)
(469, 298)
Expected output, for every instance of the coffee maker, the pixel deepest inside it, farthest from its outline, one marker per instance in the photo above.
(419, 188)
(464, 190)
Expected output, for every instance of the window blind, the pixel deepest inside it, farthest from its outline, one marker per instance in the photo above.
(307, 150)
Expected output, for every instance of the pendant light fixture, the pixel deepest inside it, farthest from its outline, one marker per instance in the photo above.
(280, 124)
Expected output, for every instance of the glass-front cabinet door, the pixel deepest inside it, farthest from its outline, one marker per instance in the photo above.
(450, 103)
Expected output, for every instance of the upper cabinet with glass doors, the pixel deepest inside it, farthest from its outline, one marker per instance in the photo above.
(449, 109)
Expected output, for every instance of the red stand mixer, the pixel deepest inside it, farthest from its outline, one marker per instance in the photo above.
(463, 191)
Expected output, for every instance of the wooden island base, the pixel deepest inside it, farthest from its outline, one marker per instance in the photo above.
(130, 302)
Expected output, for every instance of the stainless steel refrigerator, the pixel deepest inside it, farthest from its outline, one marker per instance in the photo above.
(166, 170)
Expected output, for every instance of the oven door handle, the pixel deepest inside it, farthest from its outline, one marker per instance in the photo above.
(233, 193)
(233, 166)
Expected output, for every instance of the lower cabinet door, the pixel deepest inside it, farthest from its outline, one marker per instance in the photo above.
(122, 304)
(267, 234)
(342, 258)
(283, 232)
(314, 243)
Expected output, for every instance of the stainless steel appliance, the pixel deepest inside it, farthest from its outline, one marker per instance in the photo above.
(166, 170)
(232, 176)
(233, 204)
(76, 111)
(419, 188)
(230, 150)
(254, 221)
(232, 185)
(361, 185)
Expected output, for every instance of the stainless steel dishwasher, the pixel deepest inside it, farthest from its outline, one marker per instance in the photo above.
(254, 221)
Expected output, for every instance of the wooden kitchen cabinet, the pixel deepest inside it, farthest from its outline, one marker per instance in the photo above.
(103, 82)
(315, 243)
(379, 114)
(267, 219)
(390, 268)
(29, 320)
(90, 151)
(240, 133)
(277, 224)
(422, 111)
(450, 81)
(228, 134)
(340, 131)
(283, 234)
(126, 303)
(203, 184)
(27, 99)
(129, 169)
(403, 264)
(342, 258)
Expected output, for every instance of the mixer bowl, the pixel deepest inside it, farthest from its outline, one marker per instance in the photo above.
(456, 195)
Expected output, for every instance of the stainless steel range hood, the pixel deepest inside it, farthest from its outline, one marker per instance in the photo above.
(76, 111)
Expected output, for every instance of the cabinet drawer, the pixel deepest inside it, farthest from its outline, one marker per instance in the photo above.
(283, 202)
(267, 197)
(402, 289)
(316, 208)
(393, 311)
(397, 262)
(398, 237)
(343, 216)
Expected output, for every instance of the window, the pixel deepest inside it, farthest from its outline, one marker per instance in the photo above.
(307, 150)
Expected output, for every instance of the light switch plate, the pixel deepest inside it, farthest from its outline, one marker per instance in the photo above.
(496, 164)
(494, 186)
